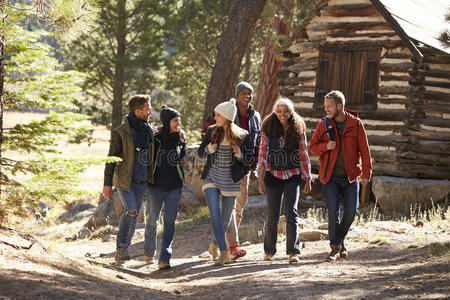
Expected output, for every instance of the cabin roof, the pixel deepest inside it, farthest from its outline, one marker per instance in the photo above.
(420, 20)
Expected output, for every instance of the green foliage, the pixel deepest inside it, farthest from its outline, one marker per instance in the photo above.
(193, 33)
(34, 80)
(66, 18)
(128, 35)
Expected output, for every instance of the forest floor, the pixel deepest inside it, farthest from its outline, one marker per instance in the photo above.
(395, 260)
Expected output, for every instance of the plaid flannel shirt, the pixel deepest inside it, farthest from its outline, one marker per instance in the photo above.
(304, 170)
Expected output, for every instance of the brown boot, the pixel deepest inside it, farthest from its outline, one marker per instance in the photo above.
(343, 251)
(333, 256)
(214, 251)
(224, 258)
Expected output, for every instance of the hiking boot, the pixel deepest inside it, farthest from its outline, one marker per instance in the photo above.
(149, 260)
(122, 254)
(224, 258)
(164, 265)
(268, 257)
(343, 252)
(294, 258)
(213, 250)
(333, 256)
(236, 252)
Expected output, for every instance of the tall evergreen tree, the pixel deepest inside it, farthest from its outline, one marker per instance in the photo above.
(122, 55)
(29, 77)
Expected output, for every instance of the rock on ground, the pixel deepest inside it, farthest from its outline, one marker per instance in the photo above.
(399, 195)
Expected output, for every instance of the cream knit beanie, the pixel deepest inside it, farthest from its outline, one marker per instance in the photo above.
(227, 109)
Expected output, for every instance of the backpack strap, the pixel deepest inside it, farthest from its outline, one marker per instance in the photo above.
(329, 129)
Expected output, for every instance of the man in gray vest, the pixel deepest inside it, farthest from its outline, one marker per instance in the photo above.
(132, 141)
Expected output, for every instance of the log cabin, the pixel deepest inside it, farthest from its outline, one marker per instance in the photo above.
(385, 56)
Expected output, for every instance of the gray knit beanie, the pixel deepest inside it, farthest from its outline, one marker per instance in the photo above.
(242, 85)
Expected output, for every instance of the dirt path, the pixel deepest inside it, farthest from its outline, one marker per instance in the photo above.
(405, 267)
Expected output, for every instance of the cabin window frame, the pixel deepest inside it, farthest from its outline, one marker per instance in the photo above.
(361, 61)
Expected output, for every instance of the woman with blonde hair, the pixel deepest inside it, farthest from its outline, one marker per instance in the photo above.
(229, 151)
(283, 157)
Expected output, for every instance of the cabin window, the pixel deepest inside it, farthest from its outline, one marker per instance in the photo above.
(352, 70)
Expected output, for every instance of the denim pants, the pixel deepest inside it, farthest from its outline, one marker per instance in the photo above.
(232, 233)
(290, 190)
(171, 200)
(132, 200)
(219, 220)
(337, 185)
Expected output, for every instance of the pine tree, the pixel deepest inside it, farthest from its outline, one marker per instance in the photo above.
(31, 78)
(121, 56)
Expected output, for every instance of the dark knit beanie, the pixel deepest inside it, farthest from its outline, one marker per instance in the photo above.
(242, 85)
(168, 114)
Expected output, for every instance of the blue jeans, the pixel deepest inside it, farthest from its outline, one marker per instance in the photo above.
(219, 220)
(171, 200)
(132, 202)
(337, 185)
(290, 190)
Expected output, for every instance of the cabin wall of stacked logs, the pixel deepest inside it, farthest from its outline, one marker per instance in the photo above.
(409, 132)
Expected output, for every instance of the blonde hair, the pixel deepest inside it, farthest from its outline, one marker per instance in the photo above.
(233, 133)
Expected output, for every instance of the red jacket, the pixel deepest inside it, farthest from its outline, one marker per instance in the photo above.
(355, 149)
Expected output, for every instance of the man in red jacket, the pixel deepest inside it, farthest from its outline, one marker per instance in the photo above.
(340, 141)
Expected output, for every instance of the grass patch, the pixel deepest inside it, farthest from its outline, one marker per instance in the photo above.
(438, 249)
(189, 222)
(252, 231)
(378, 240)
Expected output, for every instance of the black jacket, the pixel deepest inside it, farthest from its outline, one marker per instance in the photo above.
(239, 167)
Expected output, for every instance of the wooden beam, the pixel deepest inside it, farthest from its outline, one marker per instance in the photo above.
(300, 99)
(425, 158)
(391, 20)
(426, 171)
(359, 26)
(295, 80)
(380, 140)
(425, 146)
(427, 134)
(387, 169)
(388, 78)
(431, 73)
(384, 156)
(436, 107)
(297, 68)
(399, 67)
(357, 10)
(386, 100)
(381, 114)
(432, 95)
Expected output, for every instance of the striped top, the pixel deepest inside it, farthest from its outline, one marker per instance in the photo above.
(219, 175)
(305, 169)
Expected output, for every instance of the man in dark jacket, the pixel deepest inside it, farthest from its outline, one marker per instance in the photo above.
(250, 120)
(341, 142)
(132, 141)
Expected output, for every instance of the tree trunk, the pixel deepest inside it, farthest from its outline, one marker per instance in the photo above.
(118, 84)
(268, 89)
(2, 59)
(234, 43)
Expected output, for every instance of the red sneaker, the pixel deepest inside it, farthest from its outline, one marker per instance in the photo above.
(236, 252)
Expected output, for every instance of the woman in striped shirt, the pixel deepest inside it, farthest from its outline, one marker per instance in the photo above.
(228, 148)
(283, 157)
